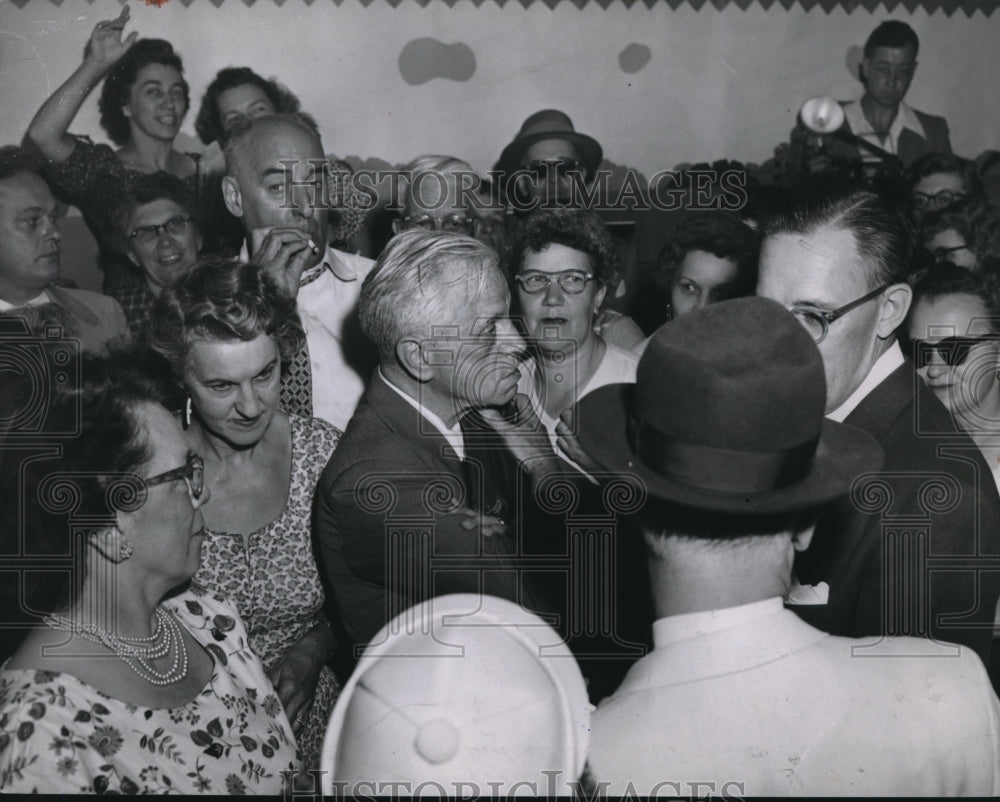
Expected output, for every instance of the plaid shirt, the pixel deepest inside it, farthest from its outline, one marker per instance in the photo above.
(136, 300)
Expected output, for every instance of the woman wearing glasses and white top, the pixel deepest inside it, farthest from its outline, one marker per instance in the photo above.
(136, 684)
(562, 262)
(228, 333)
(158, 231)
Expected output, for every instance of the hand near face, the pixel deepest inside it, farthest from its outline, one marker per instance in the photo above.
(284, 254)
(487, 525)
(105, 46)
(569, 444)
(520, 428)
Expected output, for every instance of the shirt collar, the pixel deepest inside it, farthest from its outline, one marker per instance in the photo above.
(905, 118)
(453, 435)
(332, 262)
(880, 371)
(676, 628)
(38, 300)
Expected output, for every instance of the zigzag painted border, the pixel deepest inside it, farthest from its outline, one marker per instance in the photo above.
(948, 7)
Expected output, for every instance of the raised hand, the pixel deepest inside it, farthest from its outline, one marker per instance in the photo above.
(284, 254)
(106, 46)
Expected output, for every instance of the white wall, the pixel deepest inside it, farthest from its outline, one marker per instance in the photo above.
(719, 84)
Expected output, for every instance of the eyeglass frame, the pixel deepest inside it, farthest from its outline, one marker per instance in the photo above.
(830, 317)
(562, 164)
(409, 222)
(941, 254)
(520, 278)
(193, 466)
(177, 219)
(929, 201)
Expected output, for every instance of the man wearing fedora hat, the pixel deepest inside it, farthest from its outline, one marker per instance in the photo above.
(547, 161)
(903, 555)
(740, 696)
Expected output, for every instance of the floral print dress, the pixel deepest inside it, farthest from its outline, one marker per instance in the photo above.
(272, 578)
(59, 735)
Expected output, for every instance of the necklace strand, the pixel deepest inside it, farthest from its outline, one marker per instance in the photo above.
(137, 653)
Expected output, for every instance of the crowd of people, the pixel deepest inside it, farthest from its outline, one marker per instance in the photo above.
(455, 515)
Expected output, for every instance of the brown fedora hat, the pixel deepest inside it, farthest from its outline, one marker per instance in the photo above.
(550, 124)
(727, 414)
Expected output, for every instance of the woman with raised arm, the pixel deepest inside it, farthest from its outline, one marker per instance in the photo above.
(143, 101)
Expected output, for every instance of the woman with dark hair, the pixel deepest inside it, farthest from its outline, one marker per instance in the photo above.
(132, 682)
(939, 180)
(961, 367)
(143, 101)
(562, 262)
(228, 332)
(708, 258)
(157, 227)
(966, 234)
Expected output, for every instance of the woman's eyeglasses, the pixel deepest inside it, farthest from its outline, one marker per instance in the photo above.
(541, 168)
(456, 223)
(572, 282)
(939, 200)
(953, 351)
(192, 472)
(147, 235)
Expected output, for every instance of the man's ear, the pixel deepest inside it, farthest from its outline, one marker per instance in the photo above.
(410, 356)
(802, 531)
(893, 306)
(232, 196)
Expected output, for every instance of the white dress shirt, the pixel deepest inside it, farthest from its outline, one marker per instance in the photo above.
(905, 118)
(324, 305)
(453, 434)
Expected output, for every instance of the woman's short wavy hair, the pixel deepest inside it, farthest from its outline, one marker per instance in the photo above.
(122, 76)
(578, 229)
(946, 278)
(92, 417)
(223, 300)
(146, 188)
(722, 235)
(975, 220)
(208, 124)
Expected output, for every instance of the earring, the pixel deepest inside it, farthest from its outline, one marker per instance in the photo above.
(125, 551)
(670, 311)
(187, 412)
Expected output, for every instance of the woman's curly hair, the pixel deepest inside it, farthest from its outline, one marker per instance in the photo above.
(223, 300)
(574, 228)
(208, 125)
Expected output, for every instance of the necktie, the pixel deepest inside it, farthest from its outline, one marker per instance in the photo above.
(296, 383)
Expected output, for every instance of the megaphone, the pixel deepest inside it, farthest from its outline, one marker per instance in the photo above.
(824, 116)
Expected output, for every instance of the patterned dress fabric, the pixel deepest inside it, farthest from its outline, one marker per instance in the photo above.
(59, 735)
(94, 180)
(136, 300)
(271, 575)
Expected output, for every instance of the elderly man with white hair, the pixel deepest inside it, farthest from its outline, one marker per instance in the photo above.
(413, 505)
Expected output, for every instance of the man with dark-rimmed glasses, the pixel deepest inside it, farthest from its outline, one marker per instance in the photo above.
(839, 261)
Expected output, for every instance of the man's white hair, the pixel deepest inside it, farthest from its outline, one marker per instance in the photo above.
(422, 280)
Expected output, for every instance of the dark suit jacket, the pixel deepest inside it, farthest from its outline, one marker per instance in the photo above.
(96, 318)
(933, 589)
(392, 477)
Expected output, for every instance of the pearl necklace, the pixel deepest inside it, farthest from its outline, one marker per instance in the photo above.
(137, 652)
